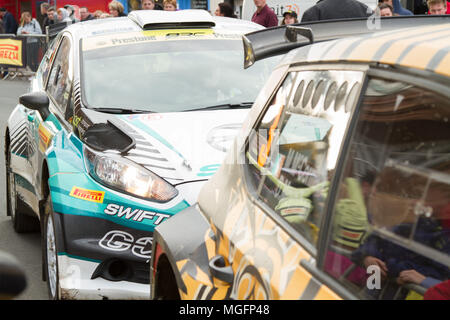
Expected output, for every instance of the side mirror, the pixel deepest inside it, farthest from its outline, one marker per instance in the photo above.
(12, 279)
(36, 101)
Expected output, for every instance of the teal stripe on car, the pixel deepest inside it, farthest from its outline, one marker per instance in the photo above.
(65, 204)
(52, 118)
(155, 135)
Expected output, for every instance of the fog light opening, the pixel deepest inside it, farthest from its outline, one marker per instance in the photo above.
(118, 269)
(113, 270)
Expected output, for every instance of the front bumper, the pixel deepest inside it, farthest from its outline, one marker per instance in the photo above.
(98, 259)
(76, 283)
(104, 247)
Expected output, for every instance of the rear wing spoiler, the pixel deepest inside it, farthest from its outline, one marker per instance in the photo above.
(269, 42)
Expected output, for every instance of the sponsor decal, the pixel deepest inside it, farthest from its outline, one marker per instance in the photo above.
(138, 215)
(88, 195)
(144, 117)
(117, 240)
(11, 52)
(76, 120)
(44, 137)
(113, 31)
(351, 235)
(126, 38)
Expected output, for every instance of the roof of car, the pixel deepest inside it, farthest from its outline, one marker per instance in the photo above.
(136, 22)
(423, 48)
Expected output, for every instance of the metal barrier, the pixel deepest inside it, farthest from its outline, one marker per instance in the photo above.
(36, 46)
(20, 55)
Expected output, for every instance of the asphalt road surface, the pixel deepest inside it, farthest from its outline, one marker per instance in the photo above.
(25, 247)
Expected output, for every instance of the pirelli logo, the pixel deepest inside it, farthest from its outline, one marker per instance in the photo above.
(88, 195)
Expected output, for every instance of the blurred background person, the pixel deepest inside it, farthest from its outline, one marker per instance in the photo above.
(224, 9)
(44, 15)
(438, 7)
(398, 8)
(385, 10)
(116, 9)
(150, 5)
(170, 5)
(28, 26)
(289, 17)
(147, 5)
(420, 7)
(63, 15)
(50, 19)
(71, 10)
(134, 5)
(9, 23)
(85, 15)
(336, 9)
(264, 15)
(97, 14)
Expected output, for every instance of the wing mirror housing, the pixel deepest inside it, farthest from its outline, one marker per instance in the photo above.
(36, 101)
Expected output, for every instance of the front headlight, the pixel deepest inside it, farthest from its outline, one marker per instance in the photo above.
(124, 175)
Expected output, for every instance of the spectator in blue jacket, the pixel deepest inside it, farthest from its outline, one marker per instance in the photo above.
(9, 23)
(398, 9)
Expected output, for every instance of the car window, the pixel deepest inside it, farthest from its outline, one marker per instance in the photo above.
(170, 75)
(44, 68)
(390, 234)
(60, 79)
(292, 153)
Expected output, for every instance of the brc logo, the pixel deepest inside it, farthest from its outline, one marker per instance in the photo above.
(88, 195)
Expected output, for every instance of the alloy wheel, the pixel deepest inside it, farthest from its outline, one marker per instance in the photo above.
(12, 193)
(52, 269)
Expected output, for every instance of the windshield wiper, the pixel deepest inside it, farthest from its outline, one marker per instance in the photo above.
(121, 110)
(241, 105)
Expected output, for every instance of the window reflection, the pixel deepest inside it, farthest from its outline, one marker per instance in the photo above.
(393, 208)
(60, 81)
(292, 155)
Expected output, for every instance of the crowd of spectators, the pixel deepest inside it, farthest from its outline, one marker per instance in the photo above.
(264, 15)
(53, 15)
(341, 9)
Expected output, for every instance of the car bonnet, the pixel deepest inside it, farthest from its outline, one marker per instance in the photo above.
(179, 146)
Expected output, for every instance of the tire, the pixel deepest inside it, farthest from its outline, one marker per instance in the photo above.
(15, 207)
(51, 269)
(166, 285)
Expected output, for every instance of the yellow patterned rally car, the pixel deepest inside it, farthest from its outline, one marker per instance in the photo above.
(338, 184)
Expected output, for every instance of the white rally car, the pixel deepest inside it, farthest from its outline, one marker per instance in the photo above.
(125, 120)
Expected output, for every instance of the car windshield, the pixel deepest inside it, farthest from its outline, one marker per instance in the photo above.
(170, 75)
